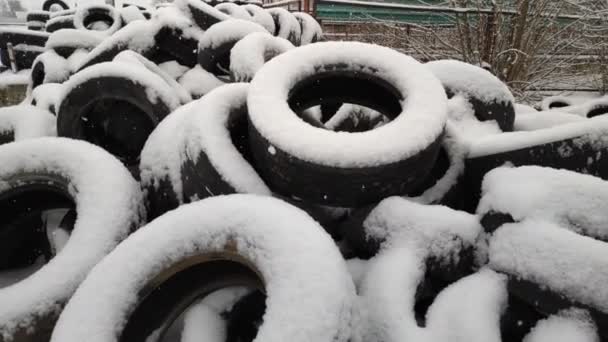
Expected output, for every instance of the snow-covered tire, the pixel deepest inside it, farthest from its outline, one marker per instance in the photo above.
(553, 102)
(36, 25)
(286, 25)
(215, 243)
(59, 23)
(575, 146)
(46, 5)
(88, 15)
(214, 146)
(45, 97)
(49, 67)
(131, 13)
(557, 274)
(544, 119)
(65, 42)
(45, 172)
(42, 16)
(249, 54)
(25, 122)
(201, 13)
(333, 168)
(215, 44)
(115, 105)
(233, 10)
(172, 42)
(490, 98)
(311, 30)
(260, 16)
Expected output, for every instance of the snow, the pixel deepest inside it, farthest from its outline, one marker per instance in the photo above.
(423, 105)
(544, 119)
(8, 78)
(174, 69)
(572, 200)
(83, 12)
(251, 53)
(260, 16)
(311, 30)
(156, 87)
(585, 108)
(199, 81)
(470, 80)
(233, 10)
(131, 13)
(465, 126)
(204, 126)
(522, 109)
(46, 95)
(547, 101)
(287, 24)
(313, 289)
(94, 179)
(565, 262)
(592, 130)
(357, 115)
(202, 323)
(139, 60)
(26, 122)
(56, 68)
(62, 13)
(566, 326)
(435, 229)
(195, 8)
(73, 38)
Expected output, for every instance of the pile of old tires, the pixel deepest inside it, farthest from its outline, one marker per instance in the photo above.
(212, 172)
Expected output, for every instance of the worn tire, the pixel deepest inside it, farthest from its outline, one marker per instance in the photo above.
(298, 159)
(58, 23)
(109, 105)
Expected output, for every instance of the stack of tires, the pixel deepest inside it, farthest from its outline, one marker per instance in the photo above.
(213, 172)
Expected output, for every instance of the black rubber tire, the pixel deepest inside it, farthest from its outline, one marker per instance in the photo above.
(583, 148)
(500, 107)
(40, 70)
(96, 104)
(58, 23)
(216, 57)
(246, 316)
(319, 182)
(172, 42)
(66, 42)
(46, 5)
(311, 30)
(203, 14)
(87, 15)
(38, 16)
(30, 187)
(36, 25)
(597, 110)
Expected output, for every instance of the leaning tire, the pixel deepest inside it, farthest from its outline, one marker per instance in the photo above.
(250, 54)
(215, 148)
(233, 10)
(41, 174)
(49, 67)
(215, 44)
(25, 122)
(490, 98)
(206, 254)
(59, 23)
(286, 25)
(261, 16)
(116, 106)
(201, 13)
(65, 42)
(311, 30)
(298, 159)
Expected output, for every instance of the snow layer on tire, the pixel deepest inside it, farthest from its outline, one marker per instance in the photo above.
(260, 16)
(83, 11)
(573, 200)
(226, 31)
(73, 38)
(565, 262)
(311, 30)
(565, 326)
(595, 129)
(108, 202)
(288, 26)
(56, 68)
(26, 122)
(251, 53)
(198, 81)
(470, 79)
(203, 125)
(423, 109)
(46, 96)
(310, 293)
(546, 119)
(157, 89)
(233, 10)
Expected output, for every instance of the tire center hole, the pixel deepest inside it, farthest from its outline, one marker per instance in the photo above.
(119, 127)
(97, 21)
(343, 100)
(35, 225)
